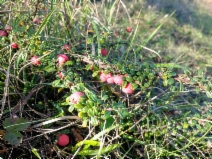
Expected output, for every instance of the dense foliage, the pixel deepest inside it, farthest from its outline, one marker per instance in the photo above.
(77, 83)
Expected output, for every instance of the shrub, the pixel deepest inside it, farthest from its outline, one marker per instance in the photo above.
(117, 105)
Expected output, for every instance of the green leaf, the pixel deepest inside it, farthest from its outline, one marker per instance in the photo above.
(94, 121)
(13, 137)
(56, 83)
(96, 151)
(104, 96)
(94, 74)
(60, 110)
(165, 82)
(78, 106)
(109, 122)
(209, 94)
(97, 136)
(46, 20)
(134, 86)
(90, 112)
(170, 81)
(200, 72)
(89, 103)
(71, 108)
(20, 124)
(124, 113)
(171, 74)
(129, 79)
(68, 63)
(124, 84)
(181, 87)
(34, 150)
(49, 69)
(88, 142)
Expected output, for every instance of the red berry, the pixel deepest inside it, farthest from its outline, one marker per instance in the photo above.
(62, 58)
(63, 140)
(75, 97)
(128, 89)
(104, 52)
(35, 61)
(14, 46)
(3, 33)
(129, 29)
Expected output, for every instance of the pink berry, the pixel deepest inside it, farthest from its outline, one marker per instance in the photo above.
(35, 61)
(14, 46)
(129, 29)
(118, 80)
(60, 74)
(62, 58)
(63, 140)
(128, 89)
(104, 52)
(110, 80)
(36, 21)
(66, 47)
(103, 76)
(109, 75)
(3, 33)
(8, 28)
(75, 97)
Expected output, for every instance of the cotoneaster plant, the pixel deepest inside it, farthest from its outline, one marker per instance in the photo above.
(63, 140)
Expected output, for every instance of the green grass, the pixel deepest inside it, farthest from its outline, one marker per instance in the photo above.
(166, 59)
